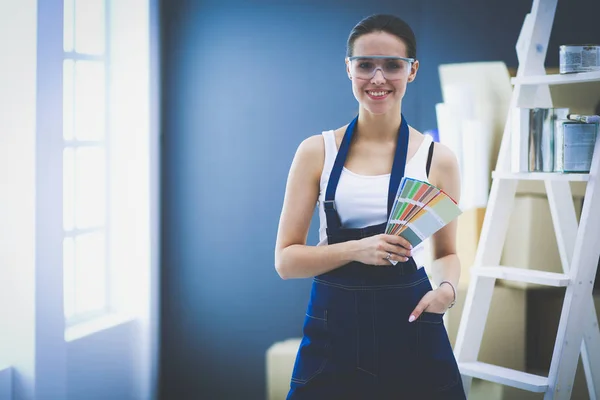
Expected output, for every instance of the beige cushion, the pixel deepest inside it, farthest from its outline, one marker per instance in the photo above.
(280, 363)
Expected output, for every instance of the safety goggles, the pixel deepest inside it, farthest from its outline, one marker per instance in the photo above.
(392, 67)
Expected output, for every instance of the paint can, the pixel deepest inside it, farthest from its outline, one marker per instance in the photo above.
(574, 146)
(579, 58)
(541, 137)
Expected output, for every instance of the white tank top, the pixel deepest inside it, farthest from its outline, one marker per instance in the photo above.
(361, 200)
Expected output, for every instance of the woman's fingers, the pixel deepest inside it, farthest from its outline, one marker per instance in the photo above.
(395, 257)
(422, 306)
(395, 249)
(389, 248)
(394, 253)
(398, 241)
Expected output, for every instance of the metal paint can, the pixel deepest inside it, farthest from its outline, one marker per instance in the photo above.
(542, 123)
(574, 146)
(579, 58)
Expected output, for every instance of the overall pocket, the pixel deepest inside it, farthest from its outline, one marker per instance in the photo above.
(439, 368)
(314, 350)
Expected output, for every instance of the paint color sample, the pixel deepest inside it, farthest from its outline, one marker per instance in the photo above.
(419, 210)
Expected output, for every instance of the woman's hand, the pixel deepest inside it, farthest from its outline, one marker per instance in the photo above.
(435, 301)
(379, 249)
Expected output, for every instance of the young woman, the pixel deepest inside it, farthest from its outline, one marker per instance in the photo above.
(373, 330)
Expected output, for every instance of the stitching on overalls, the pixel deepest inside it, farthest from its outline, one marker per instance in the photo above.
(358, 341)
(375, 349)
(323, 363)
(456, 374)
(449, 385)
(429, 322)
(364, 370)
(326, 350)
(418, 344)
(357, 330)
(376, 287)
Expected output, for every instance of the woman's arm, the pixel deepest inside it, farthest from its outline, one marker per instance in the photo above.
(445, 175)
(293, 258)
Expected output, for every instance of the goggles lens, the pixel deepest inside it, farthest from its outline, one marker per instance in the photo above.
(392, 68)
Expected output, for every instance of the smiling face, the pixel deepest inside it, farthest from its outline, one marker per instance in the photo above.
(379, 95)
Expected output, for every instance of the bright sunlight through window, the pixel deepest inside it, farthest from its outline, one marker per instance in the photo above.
(85, 160)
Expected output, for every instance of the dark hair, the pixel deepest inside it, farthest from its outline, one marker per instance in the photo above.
(384, 23)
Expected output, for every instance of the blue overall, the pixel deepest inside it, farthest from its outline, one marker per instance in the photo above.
(357, 342)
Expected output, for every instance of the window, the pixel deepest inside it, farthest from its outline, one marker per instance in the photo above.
(106, 162)
(86, 178)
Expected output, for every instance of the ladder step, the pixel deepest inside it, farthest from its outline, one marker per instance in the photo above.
(558, 79)
(523, 275)
(504, 376)
(541, 176)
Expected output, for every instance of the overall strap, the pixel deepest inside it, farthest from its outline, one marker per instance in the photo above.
(333, 218)
(399, 163)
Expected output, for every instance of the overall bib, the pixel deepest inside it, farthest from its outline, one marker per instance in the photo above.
(357, 342)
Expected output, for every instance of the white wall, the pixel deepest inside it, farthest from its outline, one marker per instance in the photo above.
(115, 358)
(103, 365)
(150, 320)
(18, 49)
(50, 348)
(5, 383)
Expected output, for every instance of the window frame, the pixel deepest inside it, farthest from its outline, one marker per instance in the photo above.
(77, 318)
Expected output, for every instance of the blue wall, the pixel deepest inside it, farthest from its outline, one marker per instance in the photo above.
(244, 82)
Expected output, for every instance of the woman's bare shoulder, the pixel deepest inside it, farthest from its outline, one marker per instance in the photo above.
(415, 136)
(445, 172)
(444, 157)
(339, 134)
(310, 155)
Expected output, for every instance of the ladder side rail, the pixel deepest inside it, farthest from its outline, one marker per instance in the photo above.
(575, 310)
(590, 352)
(535, 47)
(503, 191)
(565, 222)
(564, 218)
(531, 51)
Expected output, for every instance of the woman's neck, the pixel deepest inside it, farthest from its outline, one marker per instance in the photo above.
(378, 127)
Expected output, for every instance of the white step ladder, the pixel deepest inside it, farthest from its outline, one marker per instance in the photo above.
(579, 246)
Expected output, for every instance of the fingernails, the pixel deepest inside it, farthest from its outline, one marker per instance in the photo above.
(411, 318)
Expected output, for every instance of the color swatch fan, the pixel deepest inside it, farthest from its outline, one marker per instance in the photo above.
(420, 209)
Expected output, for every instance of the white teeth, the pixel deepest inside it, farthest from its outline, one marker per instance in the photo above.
(378, 94)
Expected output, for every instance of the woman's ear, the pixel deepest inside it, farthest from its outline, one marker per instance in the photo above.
(348, 69)
(413, 71)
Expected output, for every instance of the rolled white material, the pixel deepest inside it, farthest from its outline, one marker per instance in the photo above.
(477, 137)
(449, 129)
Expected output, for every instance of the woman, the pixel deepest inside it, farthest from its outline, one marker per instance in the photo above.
(373, 330)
